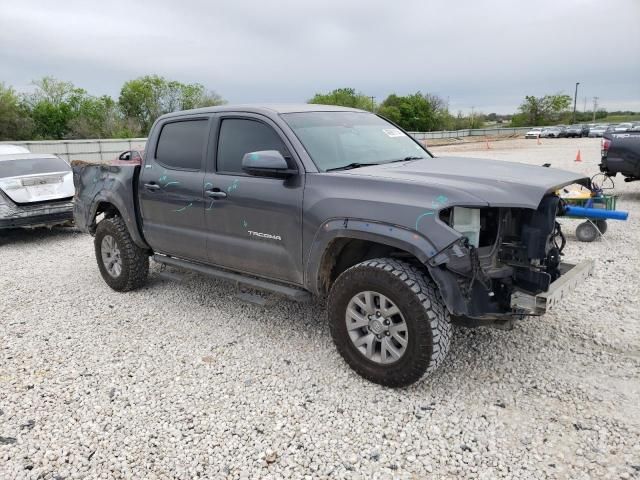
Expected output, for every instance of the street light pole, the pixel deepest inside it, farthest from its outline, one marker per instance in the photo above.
(373, 103)
(575, 99)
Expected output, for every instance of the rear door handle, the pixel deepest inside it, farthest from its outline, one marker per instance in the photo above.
(152, 186)
(215, 194)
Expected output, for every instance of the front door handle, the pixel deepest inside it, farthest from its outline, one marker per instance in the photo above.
(152, 186)
(215, 194)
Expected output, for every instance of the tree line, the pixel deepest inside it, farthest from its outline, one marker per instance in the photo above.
(56, 109)
(417, 112)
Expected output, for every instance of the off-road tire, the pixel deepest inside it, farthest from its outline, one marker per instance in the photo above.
(135, 260)
(417, 297)
(586, 232)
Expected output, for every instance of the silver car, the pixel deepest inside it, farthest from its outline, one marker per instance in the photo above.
(36, 189)
(623, 127)
(598, 130)
(552, 132)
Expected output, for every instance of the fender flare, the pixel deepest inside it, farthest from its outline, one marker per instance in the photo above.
(106, 196)
(387, 234)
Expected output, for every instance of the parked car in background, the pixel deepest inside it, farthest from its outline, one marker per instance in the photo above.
(533, 133)
(597, 131)
(574, 131)
(635, 127)
(623, 127)
(6, 149)
(553, 132)
(129, 157)
(36, 189)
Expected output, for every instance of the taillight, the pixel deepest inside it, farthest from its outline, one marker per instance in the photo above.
(605, 144)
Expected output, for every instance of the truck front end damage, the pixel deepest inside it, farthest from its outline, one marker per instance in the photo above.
(506, 263)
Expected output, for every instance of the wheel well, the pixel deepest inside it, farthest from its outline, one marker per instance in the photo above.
(343, 253)
(107, 210)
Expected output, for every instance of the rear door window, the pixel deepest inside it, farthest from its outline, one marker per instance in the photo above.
(239, 136)
(181, 144)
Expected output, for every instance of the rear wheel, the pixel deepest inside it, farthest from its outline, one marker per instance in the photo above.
(389, 322)
(123, 265)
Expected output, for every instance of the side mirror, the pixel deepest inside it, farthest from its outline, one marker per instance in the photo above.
(125, 156)
(267, 163)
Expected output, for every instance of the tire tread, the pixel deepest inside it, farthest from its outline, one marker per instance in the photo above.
(433, 351)
(135, 264)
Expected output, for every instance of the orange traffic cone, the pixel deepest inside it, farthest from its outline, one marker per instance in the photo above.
(488, 146)
(578, 156)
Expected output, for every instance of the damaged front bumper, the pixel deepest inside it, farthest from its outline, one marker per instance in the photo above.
(571, 277)
(35, 215)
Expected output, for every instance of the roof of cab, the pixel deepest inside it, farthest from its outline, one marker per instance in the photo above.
(266, 108)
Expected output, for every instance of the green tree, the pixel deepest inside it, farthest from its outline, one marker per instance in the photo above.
(15, 122)
(146, 98)
(541, 110)
(345, 97)
(99, 117)
(417, 112)
(52, 106)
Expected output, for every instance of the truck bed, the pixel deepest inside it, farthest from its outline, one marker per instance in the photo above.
(113, 184)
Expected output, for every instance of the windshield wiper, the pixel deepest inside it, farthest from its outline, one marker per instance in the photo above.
(405, 159)
(351, 166)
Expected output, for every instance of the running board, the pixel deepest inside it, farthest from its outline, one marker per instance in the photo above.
(293, 293)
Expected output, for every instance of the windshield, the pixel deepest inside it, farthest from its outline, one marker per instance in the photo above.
(341, 139)
(32, 166)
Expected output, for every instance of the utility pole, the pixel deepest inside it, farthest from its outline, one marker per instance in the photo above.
(595, 107)
(584, 107)
(575, 99)
(373, 103)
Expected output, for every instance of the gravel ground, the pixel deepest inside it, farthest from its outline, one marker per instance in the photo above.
(182, 379)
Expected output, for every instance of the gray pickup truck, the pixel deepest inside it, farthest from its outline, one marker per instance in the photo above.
(315, 200)
(621, 154)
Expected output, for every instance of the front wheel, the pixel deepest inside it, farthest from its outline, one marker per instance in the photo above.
(122, 263)
(389, 322)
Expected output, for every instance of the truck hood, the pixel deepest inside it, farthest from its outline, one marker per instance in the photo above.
(492, 182)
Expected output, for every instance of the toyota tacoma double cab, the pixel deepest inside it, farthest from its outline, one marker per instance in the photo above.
(339, 203)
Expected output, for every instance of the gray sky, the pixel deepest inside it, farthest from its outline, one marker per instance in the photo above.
(488, 54)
